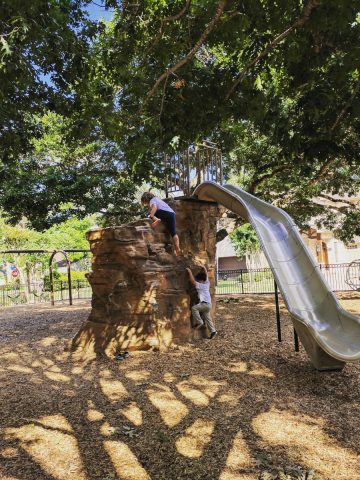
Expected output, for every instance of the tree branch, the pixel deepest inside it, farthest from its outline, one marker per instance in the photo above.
(346, 107)
(259, 180)
(335, 200)
(182, 12)
(325, 167)
(172, 18)
(192, 52)
(162, 101)
(308, 8)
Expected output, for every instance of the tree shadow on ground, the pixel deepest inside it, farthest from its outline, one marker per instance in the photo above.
(232, 408)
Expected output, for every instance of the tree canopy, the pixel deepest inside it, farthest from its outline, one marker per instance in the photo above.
(275, 84)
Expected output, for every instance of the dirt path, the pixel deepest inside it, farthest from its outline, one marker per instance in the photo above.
(240, 407)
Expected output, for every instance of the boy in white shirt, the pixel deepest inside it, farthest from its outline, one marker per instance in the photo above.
(164, 214)
(202, 311)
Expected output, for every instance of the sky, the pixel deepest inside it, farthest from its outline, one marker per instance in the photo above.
(97, 12)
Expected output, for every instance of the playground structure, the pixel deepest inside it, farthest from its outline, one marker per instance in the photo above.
(187, 169)
(353, 275)
(330, 335)
(142, 297)
(39, 286)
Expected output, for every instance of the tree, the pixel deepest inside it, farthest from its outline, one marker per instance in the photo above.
(67, 235)
(275, 84)
(285, 72)
(44, 51)
(246, 244)
(62, 177)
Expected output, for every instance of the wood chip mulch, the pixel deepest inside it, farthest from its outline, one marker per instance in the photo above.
(239, 407)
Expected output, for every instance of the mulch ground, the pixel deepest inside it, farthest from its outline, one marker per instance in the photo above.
(239, 407)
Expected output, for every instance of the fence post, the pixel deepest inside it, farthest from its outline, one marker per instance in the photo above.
(278, 324)
(242, 282)
(296, 341)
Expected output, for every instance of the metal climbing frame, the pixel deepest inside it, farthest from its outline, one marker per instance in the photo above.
(187, 169)
(53, 253)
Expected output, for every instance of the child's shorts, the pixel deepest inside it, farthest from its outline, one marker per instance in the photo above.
(168, 219)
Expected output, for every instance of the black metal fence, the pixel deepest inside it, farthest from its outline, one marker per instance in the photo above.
(40, 292)
(227, 282)
(261, 280)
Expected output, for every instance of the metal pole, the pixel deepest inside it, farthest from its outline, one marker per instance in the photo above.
(278, 324)
(296, 341)
(51, 278)
(166, 177)
(221, 169)
(198, 166)
(69, 278)
(188, 172)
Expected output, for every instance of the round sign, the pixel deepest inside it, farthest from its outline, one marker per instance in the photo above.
(15, 273)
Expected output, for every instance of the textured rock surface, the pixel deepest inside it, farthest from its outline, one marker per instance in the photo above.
(142, 297)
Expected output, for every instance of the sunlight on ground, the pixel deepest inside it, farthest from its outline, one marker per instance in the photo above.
(230, 398)
(169, 377)
(254, 368)
(138, 375)
(94, 415)
(238, 459)
(236, 367)
(20, 369)
(113, 389)
(196, 437)
(58, 422)
(77, 370)
(207, 386)
(195, 396)
(55, 452)
(107, 430)
(47, 341)
(57, 377)
(260, 370)
(307, 443)
(10, 356)
(172, 411)
(125, 462)
(133, 413)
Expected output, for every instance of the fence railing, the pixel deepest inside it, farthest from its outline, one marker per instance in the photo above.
(21, 294)
(261, 280)
(228, 282)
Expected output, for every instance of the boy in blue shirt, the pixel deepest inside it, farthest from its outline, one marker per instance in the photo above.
(202, 311)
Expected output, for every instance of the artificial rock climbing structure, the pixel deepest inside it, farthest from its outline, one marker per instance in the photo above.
(142, 297)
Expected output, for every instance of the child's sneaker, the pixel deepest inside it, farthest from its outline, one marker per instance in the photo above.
(213, 334)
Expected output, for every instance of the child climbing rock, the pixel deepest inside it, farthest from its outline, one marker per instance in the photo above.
(202, 311)
(164, 214)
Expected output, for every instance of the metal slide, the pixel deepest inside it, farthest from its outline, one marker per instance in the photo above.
(329, 334)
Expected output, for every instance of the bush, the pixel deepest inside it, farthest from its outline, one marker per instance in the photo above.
(74, 276)
(63, 277)
(259, 276)
(244, 277)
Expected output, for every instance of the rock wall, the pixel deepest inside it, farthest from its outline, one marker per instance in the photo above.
(142, 297)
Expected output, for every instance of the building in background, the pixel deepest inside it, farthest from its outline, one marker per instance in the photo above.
(329, 250)
(326, 249)
(228, 260)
